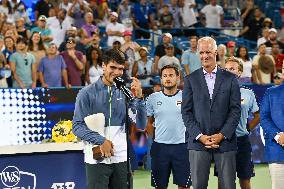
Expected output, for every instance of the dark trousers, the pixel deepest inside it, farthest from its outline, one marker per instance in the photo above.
(200, 162)
(106, 176)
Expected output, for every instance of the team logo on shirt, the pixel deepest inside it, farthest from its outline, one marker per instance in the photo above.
(242, 101)
(159, 103)
(178, 102)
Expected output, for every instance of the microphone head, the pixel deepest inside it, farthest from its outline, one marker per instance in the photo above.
(118, 81)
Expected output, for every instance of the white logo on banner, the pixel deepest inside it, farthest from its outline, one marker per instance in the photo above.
(11, 176)
(66, 185)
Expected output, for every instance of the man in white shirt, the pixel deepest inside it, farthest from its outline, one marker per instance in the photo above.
(114, 30)
(214, 15)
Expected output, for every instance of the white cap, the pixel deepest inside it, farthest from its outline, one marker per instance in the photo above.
(168, 35)
(273, 30)
(114, 14)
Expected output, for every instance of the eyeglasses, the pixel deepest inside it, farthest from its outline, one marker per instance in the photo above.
(145, 71)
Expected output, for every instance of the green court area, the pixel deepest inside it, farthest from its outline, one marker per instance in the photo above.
(260, 181)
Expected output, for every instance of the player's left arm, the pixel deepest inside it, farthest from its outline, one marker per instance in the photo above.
(255, 121)
(255, 110)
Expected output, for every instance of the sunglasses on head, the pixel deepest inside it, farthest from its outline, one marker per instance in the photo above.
(70, 41)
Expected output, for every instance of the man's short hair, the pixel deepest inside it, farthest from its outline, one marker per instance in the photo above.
(114, 55)
(234, 59)
(21, 40)
(207, 40)
(170, 66)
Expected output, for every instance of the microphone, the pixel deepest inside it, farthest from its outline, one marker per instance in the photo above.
(120, 84)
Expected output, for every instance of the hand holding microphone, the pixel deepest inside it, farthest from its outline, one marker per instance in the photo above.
(135, 88)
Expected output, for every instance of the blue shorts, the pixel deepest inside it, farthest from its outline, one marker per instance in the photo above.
(244, 164)
(167, 158)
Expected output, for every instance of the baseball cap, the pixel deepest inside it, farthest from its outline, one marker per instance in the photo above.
(169, 45)
(168, 35)
(42, 17)
(143, 48)
(127, 33)
(114, 14)
(272, 30)
(231, 44)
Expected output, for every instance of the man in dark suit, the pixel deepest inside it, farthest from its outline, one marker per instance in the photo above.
(211, 107)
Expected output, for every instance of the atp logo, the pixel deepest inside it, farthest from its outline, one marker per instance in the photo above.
(12, 177)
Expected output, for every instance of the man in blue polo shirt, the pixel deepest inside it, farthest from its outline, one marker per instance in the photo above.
(244, 164)
(169, 150)
(190, 59)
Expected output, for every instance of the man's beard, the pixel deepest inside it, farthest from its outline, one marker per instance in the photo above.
(169, 87)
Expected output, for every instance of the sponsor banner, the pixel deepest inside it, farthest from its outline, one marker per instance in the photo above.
(64, 170)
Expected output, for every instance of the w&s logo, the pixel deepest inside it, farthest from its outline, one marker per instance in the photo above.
(12, 177)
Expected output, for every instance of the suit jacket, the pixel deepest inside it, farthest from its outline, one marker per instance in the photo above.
(272, 122)
(204, 116)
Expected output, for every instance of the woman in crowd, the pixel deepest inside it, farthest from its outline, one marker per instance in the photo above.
(94, 67)
(242, 54)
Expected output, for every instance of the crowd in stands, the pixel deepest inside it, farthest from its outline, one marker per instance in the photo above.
(63, 46)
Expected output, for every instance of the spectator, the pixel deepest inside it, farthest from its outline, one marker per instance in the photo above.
(3, 67)
(143, 16)
(271, 120)
(166, 18)
(169, 58)
(12, 33)
(42, 8)
(231, 47)
(65, 4)
(160, 50)
(74, 61)
(187, 13)
(214, 15)
(36, 47)
(20, 24)
(43, 30)
(10, 47)
(21, 12)
(77, 11)
(114, 30)
(89, 26)
(265, 36)
(252, 31)
(175, 11)
(2, 46)
(267, 23)
(277, 79)
(94, 66)
(5, 7)
(242, 54)
(72, 32)
(23, 66)
(142, 68)
(52, 69)
(247, 13)
(263, 69)
(58, 24)
(130, 48)
(125, 14)
(190, 58)
(273, 40)
(221, 55)
(278, 57)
